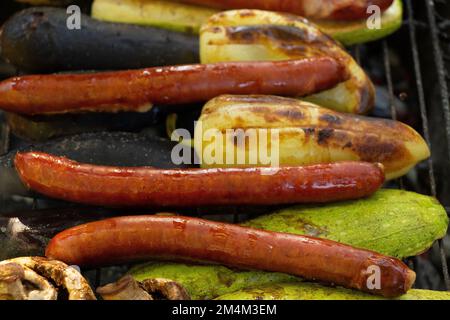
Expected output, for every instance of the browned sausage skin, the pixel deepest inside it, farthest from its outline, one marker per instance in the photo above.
(62, 178)
(136, 238)
(137, 90)
(316, 9)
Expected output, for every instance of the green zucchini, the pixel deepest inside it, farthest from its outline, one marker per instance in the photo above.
(162, 14)
(205, 282)
(41, 128)
(355, 32)
(312, 291)
(189, 18)
(37, 40)
(396, 223)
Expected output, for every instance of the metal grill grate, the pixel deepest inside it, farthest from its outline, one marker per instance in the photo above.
(429, 22)
(423, 106)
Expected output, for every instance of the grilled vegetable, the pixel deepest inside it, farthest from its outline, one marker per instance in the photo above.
(189, 18)
(40, 128)
(218, 282)
(139, 90)
(393, 222)
(249, 35)
(127, 239)
(37, 40)
(313, 291)
(205, 282)
(157, 13)
(354, 32)
(108, 148)
(321, 9)
(307, 134)
(68, 180)
(35, 278)
(127, 288)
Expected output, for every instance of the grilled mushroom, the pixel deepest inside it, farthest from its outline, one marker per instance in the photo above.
(167, 289)
(22, 283)
(35, 278)
(127, 288)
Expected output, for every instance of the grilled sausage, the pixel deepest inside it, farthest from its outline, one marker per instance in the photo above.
(127, 239)
(316, 9)
(137, 90)
(62, 178)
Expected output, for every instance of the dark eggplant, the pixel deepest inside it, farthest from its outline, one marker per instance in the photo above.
(40, 128)
(106, 148)
(38, 40)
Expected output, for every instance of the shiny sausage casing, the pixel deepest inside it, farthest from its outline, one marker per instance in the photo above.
(137, 238)
(316, 9)
(137, 90)
(62, 178)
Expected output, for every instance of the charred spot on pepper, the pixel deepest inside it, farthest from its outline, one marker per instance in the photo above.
(371, 149)
(215, 29)
(293, 41)
(331, 119)
(277, 33)
(323, 135)
(309, 132)
(367, 96)
(245, 13)
(290, 114)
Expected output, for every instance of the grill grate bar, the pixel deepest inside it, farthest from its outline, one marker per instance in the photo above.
(388, 71)
(423, 108)
(390, 85)
(4, 138)
(421, 94)
(440, 67)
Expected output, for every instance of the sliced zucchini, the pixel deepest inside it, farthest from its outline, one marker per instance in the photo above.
(163, 14)
(189, 18)
(204, 282)
(354, 32)
(396, 223)
(313, 291)
(41, 128)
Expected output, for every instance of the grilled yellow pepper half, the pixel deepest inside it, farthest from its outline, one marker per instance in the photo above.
(254, 35)
(307, 134)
